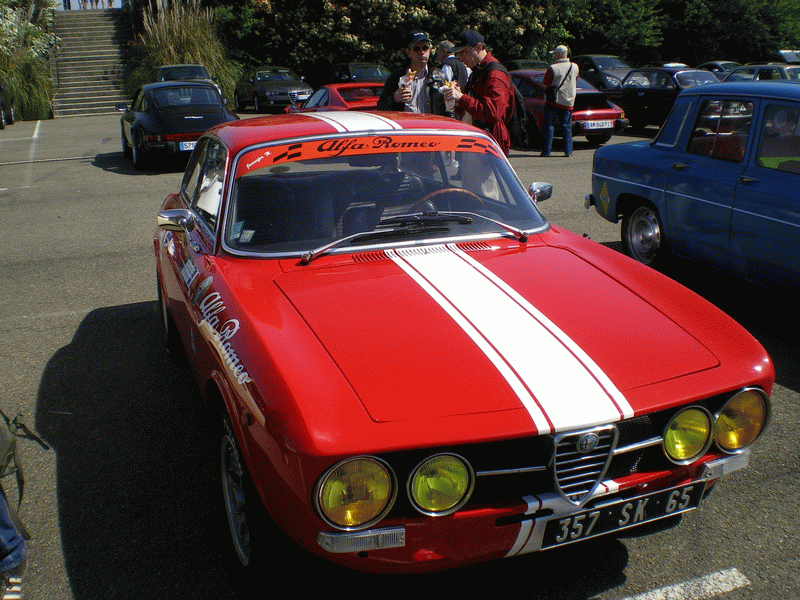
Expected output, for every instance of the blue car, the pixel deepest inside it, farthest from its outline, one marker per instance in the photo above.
(718, 184)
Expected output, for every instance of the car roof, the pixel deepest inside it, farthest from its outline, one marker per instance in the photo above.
(246, 132)
(180, 65)
(763, 89)
(149, 87)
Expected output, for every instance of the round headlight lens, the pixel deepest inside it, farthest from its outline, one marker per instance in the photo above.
(741, 420)
(441, 484)
(688, 435)
(356, 493)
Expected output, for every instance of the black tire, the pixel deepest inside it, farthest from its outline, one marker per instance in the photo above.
(138, 155)
(172, 339)
(12, 117)
(233, 477)
(643, 235)
(126, 149)
(599, 139)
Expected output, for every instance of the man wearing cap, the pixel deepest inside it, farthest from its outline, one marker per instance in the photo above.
(487, 100)
(419, 93)
(453, 69)
(562, 75)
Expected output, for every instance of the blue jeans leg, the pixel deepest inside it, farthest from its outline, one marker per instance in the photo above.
(566, 128)
(12, 546)
(548, 128)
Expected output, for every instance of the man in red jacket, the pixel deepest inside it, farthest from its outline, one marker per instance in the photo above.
(487, 102)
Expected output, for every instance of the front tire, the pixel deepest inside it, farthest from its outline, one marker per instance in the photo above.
(234, 494)
(643, 236)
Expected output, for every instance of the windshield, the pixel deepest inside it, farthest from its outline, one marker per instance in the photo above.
(333, 189)
(360, 93)
(688, 79)
(367, 71)
(611, 62)
(276, 75)
(185, 95)
(183, 72)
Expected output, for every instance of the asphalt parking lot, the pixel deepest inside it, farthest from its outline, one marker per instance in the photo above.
(122, 505)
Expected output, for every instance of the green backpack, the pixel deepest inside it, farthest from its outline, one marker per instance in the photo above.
(9, 462)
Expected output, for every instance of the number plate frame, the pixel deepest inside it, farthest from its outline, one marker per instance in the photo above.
(604, 124)
(623, 514)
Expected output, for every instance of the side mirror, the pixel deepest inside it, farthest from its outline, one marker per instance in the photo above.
(121, 106)
(176, 220)
(540, 191)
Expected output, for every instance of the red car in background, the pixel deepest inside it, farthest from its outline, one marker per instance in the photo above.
(594, 116)
(362, 95)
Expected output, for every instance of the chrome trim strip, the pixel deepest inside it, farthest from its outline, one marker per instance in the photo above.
(511, 471)
(653, 441)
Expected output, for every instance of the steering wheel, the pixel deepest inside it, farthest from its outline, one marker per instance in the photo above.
(438, 195)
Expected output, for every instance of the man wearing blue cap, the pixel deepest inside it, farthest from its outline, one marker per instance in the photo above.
(415, 87)
(488, 98)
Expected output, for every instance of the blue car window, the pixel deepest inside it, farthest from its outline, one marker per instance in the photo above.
(671, 131)
(779, 142)
(721, 129)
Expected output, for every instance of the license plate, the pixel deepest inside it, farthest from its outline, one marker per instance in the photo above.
(187, 145)
(598, 124)
(622, 515)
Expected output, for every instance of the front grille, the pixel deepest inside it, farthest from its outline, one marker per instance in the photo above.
(580, 461)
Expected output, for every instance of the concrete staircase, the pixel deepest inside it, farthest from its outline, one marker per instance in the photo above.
(89, 68)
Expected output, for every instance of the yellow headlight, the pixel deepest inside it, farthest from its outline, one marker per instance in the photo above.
(441, 484)
(741, 420)
(356, 493)
(688, 435)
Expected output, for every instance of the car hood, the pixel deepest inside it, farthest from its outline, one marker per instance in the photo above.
(442, 332)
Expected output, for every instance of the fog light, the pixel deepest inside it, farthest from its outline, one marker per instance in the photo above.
(441, 484)
(688, 435)
(356, 493)
(740, 422)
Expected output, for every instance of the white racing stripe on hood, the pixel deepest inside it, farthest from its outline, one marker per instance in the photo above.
(345, 121)
(559, 385)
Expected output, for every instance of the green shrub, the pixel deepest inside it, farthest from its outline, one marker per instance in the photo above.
(24, 48)
(182, 34)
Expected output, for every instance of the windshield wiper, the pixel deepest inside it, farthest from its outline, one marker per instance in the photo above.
(519, 233)
(411, 223)
(426, 218)
(366, 235)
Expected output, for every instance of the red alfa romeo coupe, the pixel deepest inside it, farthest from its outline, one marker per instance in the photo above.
(395, 346)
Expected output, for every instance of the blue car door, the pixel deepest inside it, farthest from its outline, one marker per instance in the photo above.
(702, 181)
(765, 223)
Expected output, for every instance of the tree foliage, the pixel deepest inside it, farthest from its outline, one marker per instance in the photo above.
(25, 43)
(310, 34)
(182, 33)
